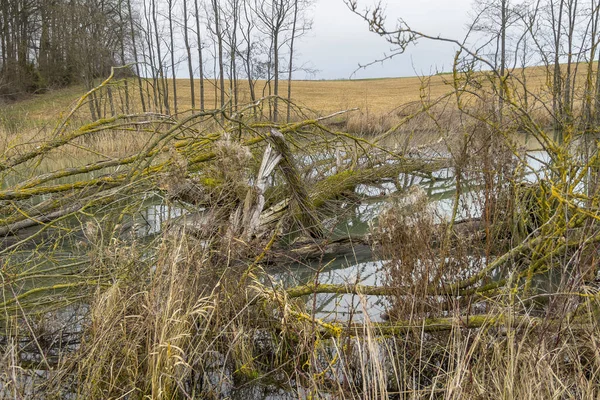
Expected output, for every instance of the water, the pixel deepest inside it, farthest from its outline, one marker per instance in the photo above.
(358, 265)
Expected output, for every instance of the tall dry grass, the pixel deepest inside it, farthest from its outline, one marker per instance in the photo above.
(380, 104)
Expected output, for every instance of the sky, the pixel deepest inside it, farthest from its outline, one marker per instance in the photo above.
(340, 40)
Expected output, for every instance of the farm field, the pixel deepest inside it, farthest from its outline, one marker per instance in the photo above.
(376, 97)
(369, 95)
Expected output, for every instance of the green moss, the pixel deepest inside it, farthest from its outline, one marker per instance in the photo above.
(210, 182)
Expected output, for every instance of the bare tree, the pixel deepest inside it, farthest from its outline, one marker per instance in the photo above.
(218, 34)
(188, 50)
(230, 34)
(247, 54)
(170, 5)
(200, 58)
(274, 16)
(50, 43)
(161, 75)
(290, 64)
(135, 55)
(300, 25)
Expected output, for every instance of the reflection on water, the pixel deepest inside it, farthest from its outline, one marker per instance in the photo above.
(352, 220)
(362, 267)
(358, 266)
(349, 306)
(355, 267)
(155, 216)
(537, 162)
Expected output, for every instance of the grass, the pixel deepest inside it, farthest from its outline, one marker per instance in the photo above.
(378, 96)
(381, 104)
(369, 95)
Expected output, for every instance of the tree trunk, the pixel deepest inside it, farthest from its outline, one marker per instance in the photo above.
(275, 74)
(172, 50)
(289, 88)
(219, 35)
(557, 106)
(200, 59)
(135, 56)
(189, 53)
(161, 75)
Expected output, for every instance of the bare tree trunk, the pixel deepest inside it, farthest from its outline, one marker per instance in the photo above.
(200, 59)
(248, 56)
(189, 53)
(289, 88)
(215, 84)
(172, 41)
(568, 106)
(268, 84)
(589, 81)
(161, 75)
(135, 56)
(597, 91)
(220, 51)
(233, 88)
(158, 104)
(216, 10)
(503, 27)
(275, 74)
(557, 106)
(4, 31)
(123, 61)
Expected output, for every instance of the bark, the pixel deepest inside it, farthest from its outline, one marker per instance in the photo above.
(172, 51)
(200, 59)
(135, 56)
(219, 36)
(290, 64)
(303, 207)
(188, 50)
(161, 76)
(557, 94)
(248, 54)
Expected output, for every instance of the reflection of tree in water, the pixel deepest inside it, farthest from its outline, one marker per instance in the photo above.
(343, 307)
(357, 266)
(154, 216)
(351, 268)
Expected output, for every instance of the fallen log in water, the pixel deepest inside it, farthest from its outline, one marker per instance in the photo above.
(431, 325)
(346, 181)
(357, 289)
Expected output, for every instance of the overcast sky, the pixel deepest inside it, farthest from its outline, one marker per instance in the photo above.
(340, 40)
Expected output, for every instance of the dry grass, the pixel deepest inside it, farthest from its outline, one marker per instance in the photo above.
(380, 104)
(371, 96)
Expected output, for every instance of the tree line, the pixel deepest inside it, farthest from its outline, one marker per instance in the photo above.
(503, 39)
(563, 37)
(220, 45)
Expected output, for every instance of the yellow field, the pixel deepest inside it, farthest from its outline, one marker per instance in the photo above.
(370, 95)
(376, 99)
(377, 96)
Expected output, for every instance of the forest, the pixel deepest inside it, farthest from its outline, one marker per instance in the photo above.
(48, 44)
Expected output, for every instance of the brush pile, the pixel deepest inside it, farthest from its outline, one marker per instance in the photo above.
(147, 274)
